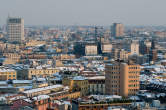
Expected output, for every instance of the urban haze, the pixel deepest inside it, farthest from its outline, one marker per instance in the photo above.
(85, 12)
(82, 55)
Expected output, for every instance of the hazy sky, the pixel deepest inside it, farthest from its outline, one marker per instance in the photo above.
(85, 12)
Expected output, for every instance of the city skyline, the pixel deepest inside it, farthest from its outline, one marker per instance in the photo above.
(82, 55)
(77, 12)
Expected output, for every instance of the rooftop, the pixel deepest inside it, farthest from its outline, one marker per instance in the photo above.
(43, 89)
(79, 78)
(96, 77)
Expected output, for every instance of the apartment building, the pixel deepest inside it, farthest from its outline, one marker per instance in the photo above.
(40, 71)
(15, 28)
(79, 83)
(91, 49)
(122, 78)
(119, 54)
(96, 85)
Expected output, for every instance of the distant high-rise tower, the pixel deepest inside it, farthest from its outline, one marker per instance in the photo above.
(134, 48)
(15, 29)
(117, 30)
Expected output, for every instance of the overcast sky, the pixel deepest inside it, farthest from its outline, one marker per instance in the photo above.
(85, 12)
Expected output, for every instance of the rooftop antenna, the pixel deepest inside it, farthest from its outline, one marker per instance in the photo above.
(8, 15)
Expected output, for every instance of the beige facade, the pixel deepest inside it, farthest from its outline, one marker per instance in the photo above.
(35, 43)
(119, 54)
(42, 72)
(106, 48)
(64, 56)
(59, 63)
(134, 48)
(15, 28)
(122, 79)
(36, 72)
(91, 49)
(1, 35)
(2, 46)
(12, 47)
(11, 58)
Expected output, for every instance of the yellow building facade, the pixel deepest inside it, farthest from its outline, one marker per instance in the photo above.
(6, 74)
(41, 72)
(77, 83)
